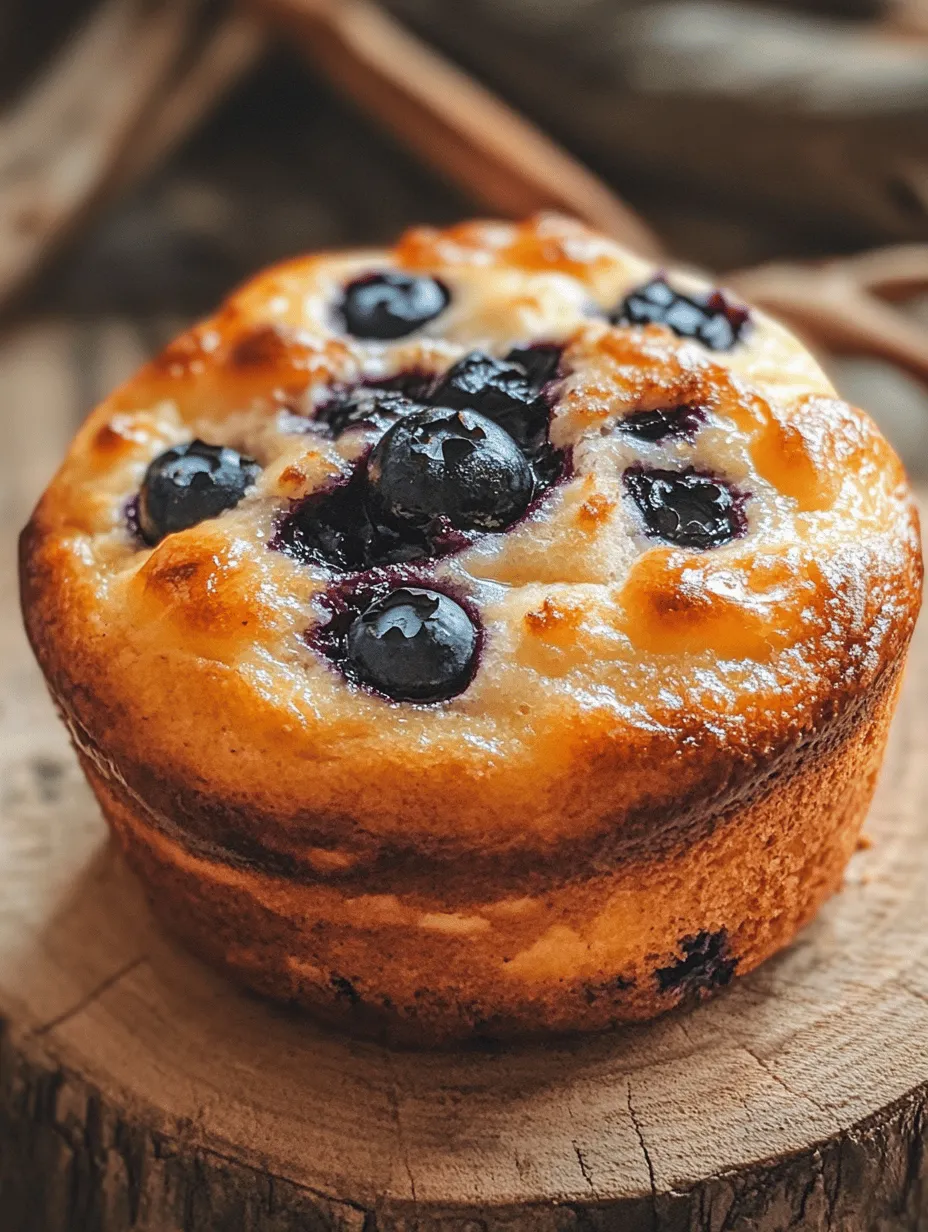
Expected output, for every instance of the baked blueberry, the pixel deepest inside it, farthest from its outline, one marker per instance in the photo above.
(413, 645)
(665, 421)
(540, 361)
(508, 391)
(707, 963)
(391, 304)
(709, 318)
(453, 466)
(190, 483)
(687, 508)
(334, 527)
(364, 406)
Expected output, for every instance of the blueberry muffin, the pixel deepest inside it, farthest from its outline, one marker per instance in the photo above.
(490, 635)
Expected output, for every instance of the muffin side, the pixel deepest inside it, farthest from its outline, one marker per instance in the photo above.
(619, 945)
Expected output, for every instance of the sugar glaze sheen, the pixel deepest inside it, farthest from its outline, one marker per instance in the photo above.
(661, 738)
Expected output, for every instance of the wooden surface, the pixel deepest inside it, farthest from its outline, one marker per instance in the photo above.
(138, 1090)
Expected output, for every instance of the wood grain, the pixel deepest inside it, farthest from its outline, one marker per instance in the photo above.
(139, 1090)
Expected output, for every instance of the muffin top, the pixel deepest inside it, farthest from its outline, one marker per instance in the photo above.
(497, 539)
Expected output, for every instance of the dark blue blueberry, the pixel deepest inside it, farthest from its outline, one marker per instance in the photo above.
(686, 508)
(658, 424)
(708, 318)
(443, 465)
(413, 645)
(391, 304)
(508, 391)
(364, 406)
(540, 361)
(190, 483)
(334, 527)
(707, 963)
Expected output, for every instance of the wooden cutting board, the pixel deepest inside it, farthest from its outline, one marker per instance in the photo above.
(138, 1090)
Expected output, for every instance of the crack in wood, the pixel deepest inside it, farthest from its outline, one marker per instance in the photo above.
(578, 1152)
(646, 1153)
(587, 1176)
(817, 1177)
(791, 1091)
(88, 999)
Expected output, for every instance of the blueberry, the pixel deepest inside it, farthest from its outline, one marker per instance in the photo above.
(413, 645)
(707, 963)
(391, 305)
(365, 406)
(501, 389)
(658, 424)
(540, 361)
(454, 466)
(708, 318)
(190, 483)
(333, 527)
(687, 508)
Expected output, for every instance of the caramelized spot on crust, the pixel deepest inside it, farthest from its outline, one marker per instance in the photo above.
(553, 619)
(203, 585)
(595, 510)
(263, 347)
(113, 438)
(782, 455)
(560, 245)
(619, 372)
(746, 607)
(186, 356)
(300, 471)
(293, 475)
(785, 449)
(647, 364)
(271, 361)
(292, 480)
(226, 364)
(170, 577)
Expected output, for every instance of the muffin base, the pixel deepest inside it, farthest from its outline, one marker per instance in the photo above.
(620, 945)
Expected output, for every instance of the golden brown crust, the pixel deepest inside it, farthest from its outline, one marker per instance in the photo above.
(634, 701)
(616, 945)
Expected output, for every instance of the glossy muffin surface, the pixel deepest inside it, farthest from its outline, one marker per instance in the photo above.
(706, 595)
